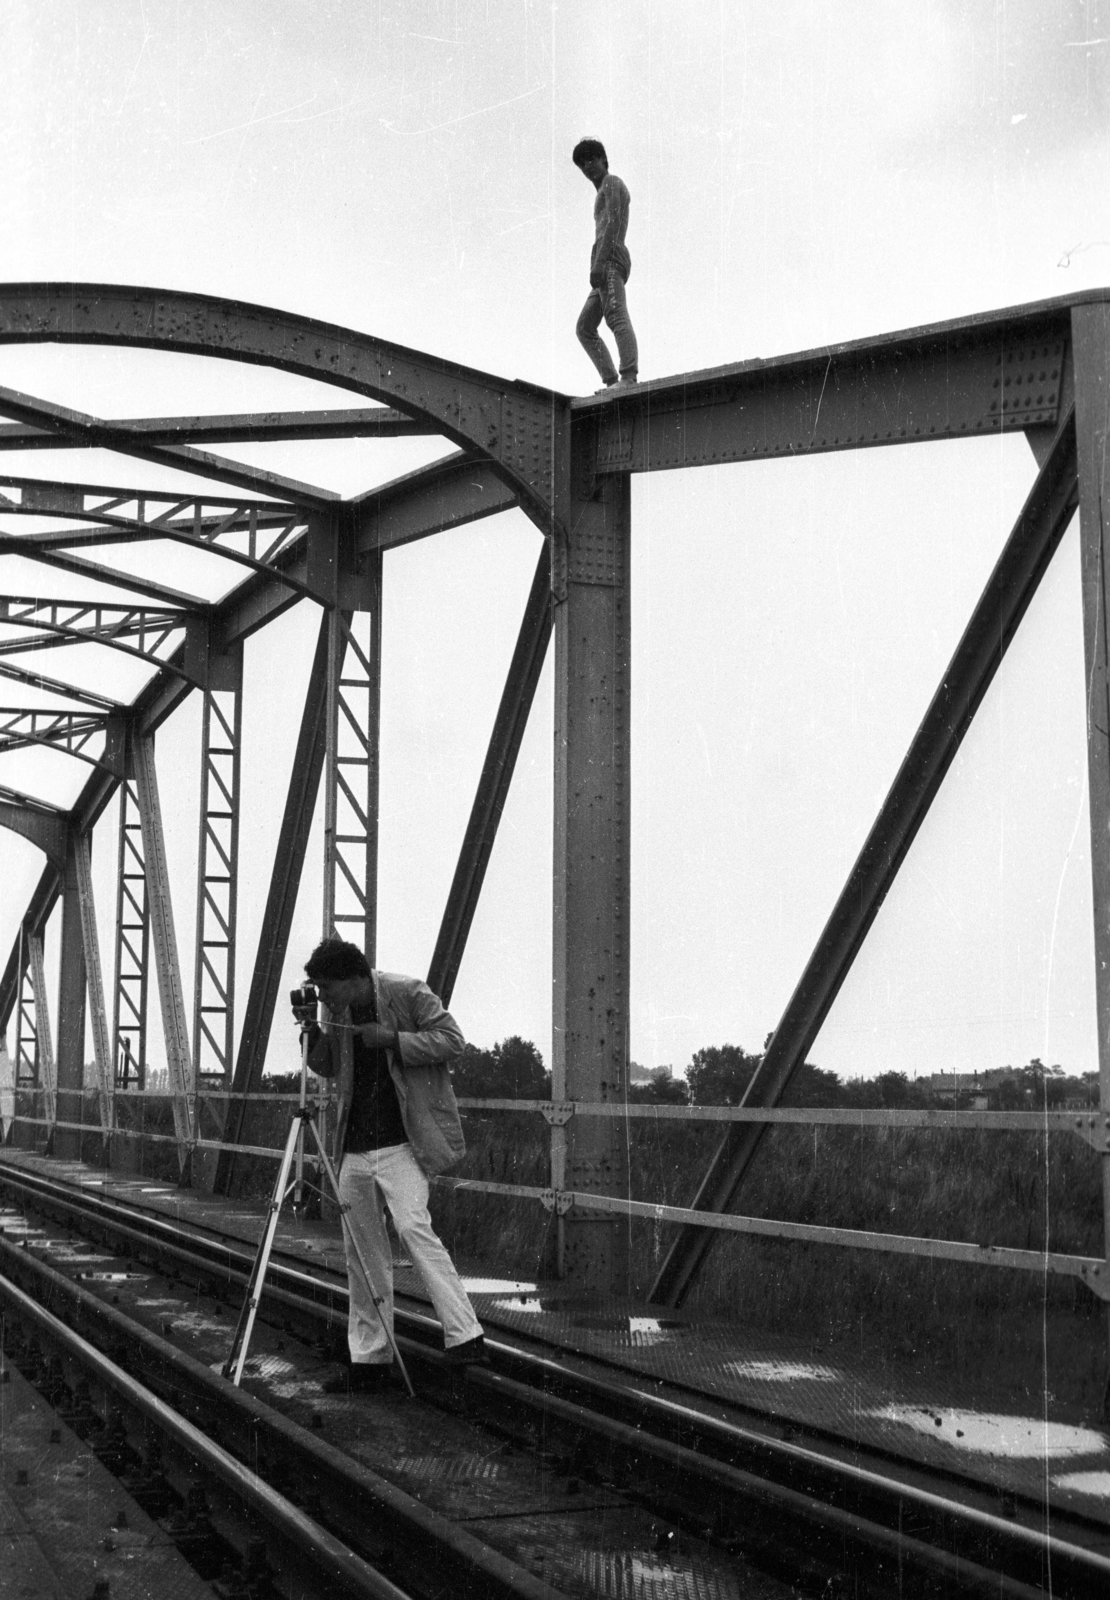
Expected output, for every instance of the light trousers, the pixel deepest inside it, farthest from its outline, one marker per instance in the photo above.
(609, 302)
(370, 1180)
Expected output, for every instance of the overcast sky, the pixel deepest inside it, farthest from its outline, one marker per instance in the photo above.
(800, 174)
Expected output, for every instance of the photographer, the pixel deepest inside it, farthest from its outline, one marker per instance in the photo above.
(389, 1040)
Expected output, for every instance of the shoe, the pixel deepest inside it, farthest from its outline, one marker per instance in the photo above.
(363, 1377)
(470, 1354)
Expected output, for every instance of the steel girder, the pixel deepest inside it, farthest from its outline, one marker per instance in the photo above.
(1091, 345)
(956, 380)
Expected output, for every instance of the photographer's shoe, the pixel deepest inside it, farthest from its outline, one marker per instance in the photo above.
(470, 1354)
(364, 1377)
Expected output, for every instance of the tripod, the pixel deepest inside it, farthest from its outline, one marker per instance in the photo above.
(293, 1160)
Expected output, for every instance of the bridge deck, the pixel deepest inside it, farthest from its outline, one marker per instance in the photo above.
(964, 1427)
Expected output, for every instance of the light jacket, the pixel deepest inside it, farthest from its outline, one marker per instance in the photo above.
(426, 1038)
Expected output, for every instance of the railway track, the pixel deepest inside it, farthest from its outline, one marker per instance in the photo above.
(539, 1475)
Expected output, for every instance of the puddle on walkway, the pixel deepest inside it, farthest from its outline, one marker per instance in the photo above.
(783, 1371)
(631, 1574)
(197, 1322)
(1092, 1483)
(990, 1433)
(498, 1286)
(113, 1277)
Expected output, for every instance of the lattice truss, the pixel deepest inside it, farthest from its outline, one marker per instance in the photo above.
(91, 571)
(275, 542)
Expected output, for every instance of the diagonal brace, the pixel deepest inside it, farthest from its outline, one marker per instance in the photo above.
(1039, 528)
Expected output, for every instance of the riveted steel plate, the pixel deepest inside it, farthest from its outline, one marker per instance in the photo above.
(959, 386)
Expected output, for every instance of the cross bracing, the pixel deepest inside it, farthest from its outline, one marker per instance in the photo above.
(1041, 370)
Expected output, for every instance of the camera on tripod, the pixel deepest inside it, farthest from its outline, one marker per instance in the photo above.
(304, 1002)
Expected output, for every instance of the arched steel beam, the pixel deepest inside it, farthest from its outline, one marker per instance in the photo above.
(523, 429)
(39, 823)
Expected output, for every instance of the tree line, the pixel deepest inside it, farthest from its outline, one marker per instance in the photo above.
(719, 1075)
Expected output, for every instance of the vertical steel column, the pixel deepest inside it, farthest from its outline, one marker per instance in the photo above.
(1091, 351)
(591, 870)
(217, 885)
(71, 1011)
(44, 1049)
(26, 1034)
(277, 919)
(132, 963)
(168, 968)
(351, 776)
(95, 978)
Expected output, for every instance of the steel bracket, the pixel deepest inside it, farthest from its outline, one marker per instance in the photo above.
(557, 1113)
(1097, 1279)
(559, 1201)
(1095, 1131)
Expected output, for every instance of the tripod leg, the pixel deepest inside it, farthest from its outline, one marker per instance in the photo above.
(348, 1234)
(245, 1326)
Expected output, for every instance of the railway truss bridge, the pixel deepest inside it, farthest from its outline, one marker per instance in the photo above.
(1043, 369)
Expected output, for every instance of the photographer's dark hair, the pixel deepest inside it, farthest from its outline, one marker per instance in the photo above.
(586, 150)
(336, 958)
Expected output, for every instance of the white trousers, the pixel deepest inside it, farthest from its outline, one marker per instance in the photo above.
(369, 1180)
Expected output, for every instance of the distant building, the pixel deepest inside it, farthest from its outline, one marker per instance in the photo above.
(976, 1090)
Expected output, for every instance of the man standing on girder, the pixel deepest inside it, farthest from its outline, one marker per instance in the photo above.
(389, 1040)
(610, 265)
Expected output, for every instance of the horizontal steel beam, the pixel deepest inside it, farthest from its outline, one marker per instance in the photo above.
(955, 380)
(76, 427)
(98, 573)
(39, 680)
(1010, 588)
(255, 427)
(56, 497)
(447, 493)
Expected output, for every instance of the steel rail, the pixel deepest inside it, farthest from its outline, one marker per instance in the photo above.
(826, 1531)
(624, 1400)
(340, 1564)
(818, 1521)
(448, 1548)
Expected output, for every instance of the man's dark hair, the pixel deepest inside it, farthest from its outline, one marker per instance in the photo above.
(586, 149)
(336, 958)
